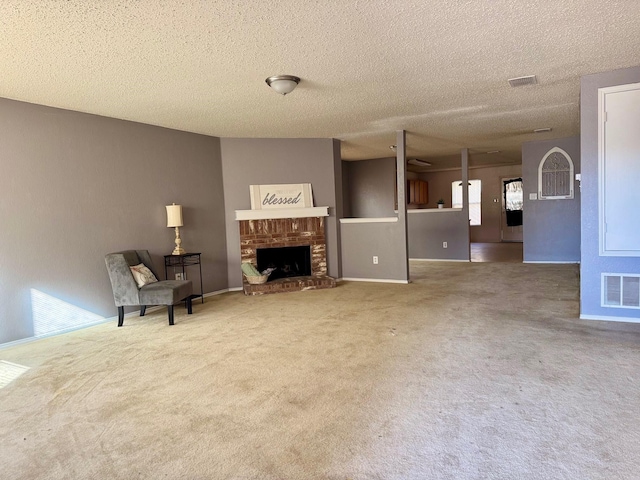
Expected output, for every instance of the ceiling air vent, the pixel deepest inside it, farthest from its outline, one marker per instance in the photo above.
(522, 81)
(418, 163)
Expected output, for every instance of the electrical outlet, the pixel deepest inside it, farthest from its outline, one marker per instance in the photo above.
(179, 276)
(375, 260)
(444, 244)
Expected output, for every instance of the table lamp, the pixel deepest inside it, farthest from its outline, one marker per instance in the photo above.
(174, 220)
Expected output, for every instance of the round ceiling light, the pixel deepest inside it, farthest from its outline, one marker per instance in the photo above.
(283, 84)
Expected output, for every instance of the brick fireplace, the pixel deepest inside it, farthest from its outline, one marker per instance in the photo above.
(286, 232)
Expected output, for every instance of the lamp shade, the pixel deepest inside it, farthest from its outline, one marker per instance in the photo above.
(174, 215)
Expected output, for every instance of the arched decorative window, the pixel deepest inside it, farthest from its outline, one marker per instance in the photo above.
(555, 175)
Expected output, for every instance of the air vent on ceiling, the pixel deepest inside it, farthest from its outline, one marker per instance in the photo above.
(419, 163)
(522, 81)
(620, 290)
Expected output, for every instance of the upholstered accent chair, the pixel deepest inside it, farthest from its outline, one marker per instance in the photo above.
(126, 291)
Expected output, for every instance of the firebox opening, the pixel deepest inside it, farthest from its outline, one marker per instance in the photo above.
(287, 261)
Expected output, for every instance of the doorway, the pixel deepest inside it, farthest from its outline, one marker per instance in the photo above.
(512, 209)
(509, 252)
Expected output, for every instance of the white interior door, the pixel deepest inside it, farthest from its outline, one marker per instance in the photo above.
(512, 199)
(619, 170)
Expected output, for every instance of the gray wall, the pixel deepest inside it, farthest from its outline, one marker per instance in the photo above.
(551, 228)
(271, 161)
(440, 187)
(335, 252)
(361, 241)
(78, 186)
(593, 265)
(428, 229)
(371, 187)
(346, 195)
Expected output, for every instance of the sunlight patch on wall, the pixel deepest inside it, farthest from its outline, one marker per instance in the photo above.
(51, 314)
(9, 372)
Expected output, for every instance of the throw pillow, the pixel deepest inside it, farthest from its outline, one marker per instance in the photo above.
(143, 275)
(249, 270)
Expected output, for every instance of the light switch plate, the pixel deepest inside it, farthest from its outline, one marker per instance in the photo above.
(533, 196)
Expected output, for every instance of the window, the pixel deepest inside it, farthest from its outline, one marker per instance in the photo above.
(475, 189)
(555, 174)
(513, 201)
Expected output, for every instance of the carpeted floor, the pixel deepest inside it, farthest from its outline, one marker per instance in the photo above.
(473, 371)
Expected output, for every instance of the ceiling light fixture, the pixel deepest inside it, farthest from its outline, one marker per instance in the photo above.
(283, 84)
(492, 152)
(542, 130)
(522, 81)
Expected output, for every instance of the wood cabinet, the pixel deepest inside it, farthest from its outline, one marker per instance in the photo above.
(417, 192)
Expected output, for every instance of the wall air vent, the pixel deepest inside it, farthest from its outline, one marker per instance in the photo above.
(621, 290)
(522, 81)
(418, 163)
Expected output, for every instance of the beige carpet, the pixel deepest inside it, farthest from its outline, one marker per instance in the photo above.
(474, 371)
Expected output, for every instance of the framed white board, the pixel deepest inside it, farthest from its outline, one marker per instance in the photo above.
(295, 195)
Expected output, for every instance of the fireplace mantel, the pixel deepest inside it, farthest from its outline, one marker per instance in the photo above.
(282, 213)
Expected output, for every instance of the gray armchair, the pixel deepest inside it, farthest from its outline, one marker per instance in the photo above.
(127, 293)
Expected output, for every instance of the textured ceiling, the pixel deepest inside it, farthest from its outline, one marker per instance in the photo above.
(437, 69)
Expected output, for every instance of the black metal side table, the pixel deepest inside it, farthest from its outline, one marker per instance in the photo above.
(181, 262)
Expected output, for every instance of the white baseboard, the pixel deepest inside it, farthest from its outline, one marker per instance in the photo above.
(560, 263)
(375, 280)
(607, 318)
(135, 313)
(61, 332)
(437, 260)
(220, 292)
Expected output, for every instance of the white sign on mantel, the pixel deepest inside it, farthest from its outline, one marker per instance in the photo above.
(295, 195)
